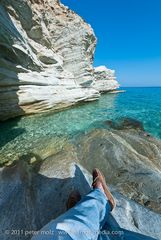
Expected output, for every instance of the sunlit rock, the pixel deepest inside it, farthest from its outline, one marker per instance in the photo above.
(130, 160)
(105, 79)
(46, 58)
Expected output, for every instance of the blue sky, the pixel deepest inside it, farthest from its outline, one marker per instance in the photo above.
(129, 37)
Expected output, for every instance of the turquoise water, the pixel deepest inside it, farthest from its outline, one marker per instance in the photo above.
(34, 133)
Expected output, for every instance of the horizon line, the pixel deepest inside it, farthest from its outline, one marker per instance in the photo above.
(141, 86)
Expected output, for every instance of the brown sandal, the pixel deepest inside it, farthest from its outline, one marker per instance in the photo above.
(73, 199)
(98, 176)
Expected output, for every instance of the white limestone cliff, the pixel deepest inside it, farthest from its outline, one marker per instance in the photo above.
(46, 58)
(105, 79)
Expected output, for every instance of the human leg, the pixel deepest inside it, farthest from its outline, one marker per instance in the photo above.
(84, 220)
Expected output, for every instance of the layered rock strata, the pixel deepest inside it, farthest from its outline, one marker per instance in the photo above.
(46, 57)
(105, 79)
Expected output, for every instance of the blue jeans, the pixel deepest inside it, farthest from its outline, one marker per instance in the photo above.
(88, 220)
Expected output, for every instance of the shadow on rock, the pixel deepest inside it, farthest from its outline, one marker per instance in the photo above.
(29, 200)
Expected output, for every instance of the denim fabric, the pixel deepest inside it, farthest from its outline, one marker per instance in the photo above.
(82, 222)
(90, 219)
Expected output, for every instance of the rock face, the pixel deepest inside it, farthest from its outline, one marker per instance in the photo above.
(105, 79)
(36, 188)
(130, 160)
(37, 195)
(46, 57)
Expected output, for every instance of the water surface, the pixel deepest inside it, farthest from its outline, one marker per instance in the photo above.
(46, 132)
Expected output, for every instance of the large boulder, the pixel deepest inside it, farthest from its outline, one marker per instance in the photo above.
(130, 160)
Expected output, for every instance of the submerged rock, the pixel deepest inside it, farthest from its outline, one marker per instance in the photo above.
(125, 123)
(46, 58)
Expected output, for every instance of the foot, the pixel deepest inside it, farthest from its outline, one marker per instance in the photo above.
(99, 182)
(73, 199)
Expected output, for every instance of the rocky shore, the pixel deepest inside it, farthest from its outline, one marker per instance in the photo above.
(35, 189)
(46, 64)
(46, 59)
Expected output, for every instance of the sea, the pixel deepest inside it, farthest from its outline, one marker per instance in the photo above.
(34, 133)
